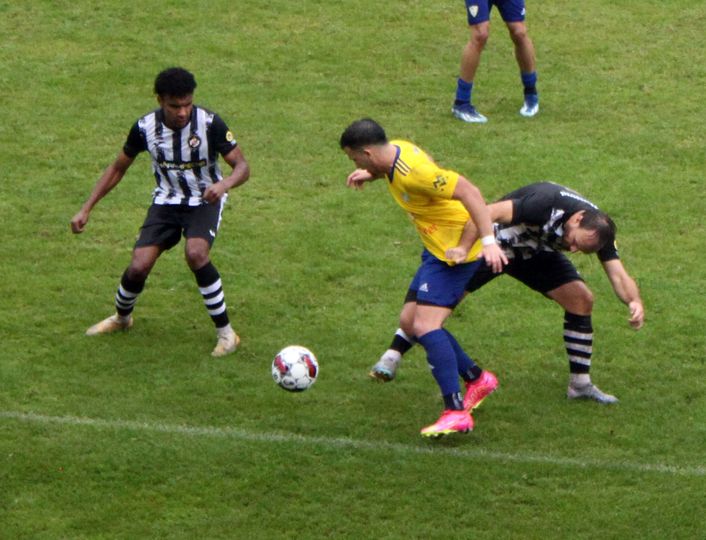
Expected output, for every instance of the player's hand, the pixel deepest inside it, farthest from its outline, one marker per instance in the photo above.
(637, 314)
(357, 178)
(214, 192)
(494, 257)
(78, 222)
(457, 254)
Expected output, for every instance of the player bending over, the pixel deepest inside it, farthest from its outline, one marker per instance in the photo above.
(534, 225)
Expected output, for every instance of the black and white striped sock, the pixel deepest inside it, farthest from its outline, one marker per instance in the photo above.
(578, 340)
(209, 281)
(127, 294)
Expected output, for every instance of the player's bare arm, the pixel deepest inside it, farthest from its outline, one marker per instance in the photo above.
(238, 176)
(108, 180)
(500, 212)
(626, 289)
(472, 199)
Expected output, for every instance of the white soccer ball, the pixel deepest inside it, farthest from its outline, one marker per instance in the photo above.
(295, 368)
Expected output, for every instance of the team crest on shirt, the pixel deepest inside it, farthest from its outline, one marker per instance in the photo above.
(439, 183)
(473, 10)
(194, 141)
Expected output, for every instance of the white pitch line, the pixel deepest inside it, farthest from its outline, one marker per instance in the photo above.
(342, 442)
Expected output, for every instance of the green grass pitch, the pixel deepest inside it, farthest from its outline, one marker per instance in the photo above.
(144, 435)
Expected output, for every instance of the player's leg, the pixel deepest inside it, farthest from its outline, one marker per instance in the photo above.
(478, 12)
(442, 361)
(513, 13)
(158, 232)
(200, 232)
(404, 339)
(385, 369)
(577, 301)
(441, 288)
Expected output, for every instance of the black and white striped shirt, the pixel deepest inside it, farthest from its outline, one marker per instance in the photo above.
(539, 213)
(184, 162)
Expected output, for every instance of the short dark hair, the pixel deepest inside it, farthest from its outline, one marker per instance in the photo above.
(600, 222)
(174, 81)
(363, 132)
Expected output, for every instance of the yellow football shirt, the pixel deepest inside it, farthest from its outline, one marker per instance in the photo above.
(424, 191)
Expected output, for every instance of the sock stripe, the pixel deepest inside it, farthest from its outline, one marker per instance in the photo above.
(210, 289)
(578, 335)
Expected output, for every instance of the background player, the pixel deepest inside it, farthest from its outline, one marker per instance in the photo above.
(513, 13)
(440, 202)
(184, 141)
(534, 225)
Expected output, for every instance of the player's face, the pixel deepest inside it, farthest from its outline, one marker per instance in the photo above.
(177, 110)
(362, 159)
(578, 239)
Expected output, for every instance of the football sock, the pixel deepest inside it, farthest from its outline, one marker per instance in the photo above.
(127, 294)
(578, 340)
(463, 91)
(442, 359)
(467, 368)
(402, 342)
(453, 401)
(209, 281)
(529, 81)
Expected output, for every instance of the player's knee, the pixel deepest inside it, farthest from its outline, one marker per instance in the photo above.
(407, 327)
(196, 258)
(479, 39)
(584, 300)
(518, 34)
(422, 327)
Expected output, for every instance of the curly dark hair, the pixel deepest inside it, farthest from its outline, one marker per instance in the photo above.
(175, 82)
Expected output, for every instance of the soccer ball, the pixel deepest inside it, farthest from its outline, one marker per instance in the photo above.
(295, 368)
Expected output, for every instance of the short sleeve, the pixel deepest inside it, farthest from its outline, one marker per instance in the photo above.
(533, 208)
(221, 138)
(608, 252)
(135, 142)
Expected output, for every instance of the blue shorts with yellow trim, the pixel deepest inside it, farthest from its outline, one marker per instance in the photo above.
(437, 283)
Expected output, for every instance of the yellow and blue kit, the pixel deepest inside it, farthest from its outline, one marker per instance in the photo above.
(424, 190)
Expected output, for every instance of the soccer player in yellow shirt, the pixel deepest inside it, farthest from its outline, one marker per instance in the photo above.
(440, 202)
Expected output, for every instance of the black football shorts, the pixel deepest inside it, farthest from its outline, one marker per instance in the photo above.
(543, 272)
(165, 224)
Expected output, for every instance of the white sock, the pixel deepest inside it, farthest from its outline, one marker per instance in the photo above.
(224, 330)
(579, 379)
(393, 355)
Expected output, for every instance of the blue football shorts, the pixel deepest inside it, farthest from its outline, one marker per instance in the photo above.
(478, 11)
(439, 284)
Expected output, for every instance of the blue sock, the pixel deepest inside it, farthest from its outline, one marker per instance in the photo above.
(529, 81)
(467, 368)
(463, 91)
(442, 359)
